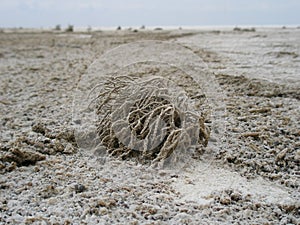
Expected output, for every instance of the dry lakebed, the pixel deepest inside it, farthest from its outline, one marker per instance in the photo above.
(248, 173)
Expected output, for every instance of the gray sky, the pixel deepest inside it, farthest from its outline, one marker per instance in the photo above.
(101, 13)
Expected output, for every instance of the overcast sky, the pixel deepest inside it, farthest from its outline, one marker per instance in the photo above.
(102, 13)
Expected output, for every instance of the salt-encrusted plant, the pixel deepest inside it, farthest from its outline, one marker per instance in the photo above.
(149, 119)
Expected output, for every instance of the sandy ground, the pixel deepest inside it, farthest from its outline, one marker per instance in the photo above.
(251, 177)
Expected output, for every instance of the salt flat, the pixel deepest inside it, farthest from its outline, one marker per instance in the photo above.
(249, 172)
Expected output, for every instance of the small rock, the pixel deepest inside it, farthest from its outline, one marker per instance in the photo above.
(79, 188)
(289, 207)
(225, 201)
(69, 149)
(235, 196)
(107, 203)
(260, 110)
(59, 147)
(251, 134)
(23, 157)
(39, 128)
(48, 191)
(67, 135)
(103, 211)
(101, 203)
(281, 154)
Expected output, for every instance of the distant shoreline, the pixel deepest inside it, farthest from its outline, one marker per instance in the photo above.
(149, 28)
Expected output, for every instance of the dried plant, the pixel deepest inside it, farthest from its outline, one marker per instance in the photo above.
(148, 119)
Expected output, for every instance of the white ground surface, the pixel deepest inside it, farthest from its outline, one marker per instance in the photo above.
(38, 76)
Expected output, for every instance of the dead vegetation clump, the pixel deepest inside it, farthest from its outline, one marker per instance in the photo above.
(149, 120)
